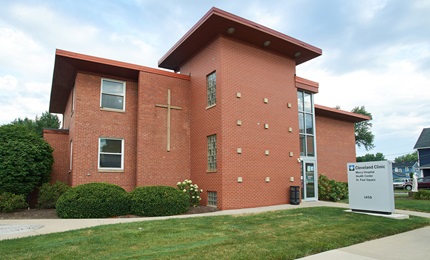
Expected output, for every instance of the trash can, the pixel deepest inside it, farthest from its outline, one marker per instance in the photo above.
(294, 195)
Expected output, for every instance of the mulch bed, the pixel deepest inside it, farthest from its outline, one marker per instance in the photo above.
(52, 214)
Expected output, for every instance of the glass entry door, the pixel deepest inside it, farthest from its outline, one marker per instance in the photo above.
(309, 181)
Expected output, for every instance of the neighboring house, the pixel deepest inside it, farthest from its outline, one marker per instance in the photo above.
(423, 148)
(231, 116)
(402, 170)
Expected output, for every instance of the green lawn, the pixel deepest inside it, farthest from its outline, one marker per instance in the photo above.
(407, 203)
(286, 234)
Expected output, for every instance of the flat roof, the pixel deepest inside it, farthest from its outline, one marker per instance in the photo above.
(217, 22)
(67, 64)
(339, 114)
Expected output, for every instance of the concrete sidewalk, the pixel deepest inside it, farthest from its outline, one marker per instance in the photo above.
(412, 244)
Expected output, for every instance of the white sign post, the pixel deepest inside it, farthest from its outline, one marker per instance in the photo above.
(370, 186)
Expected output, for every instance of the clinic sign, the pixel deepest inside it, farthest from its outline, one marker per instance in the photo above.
(370, 186)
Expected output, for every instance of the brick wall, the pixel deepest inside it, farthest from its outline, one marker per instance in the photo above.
(59, 141)
(92, 122)
(335, 147)
(244, 70)
(205, 122)
(155, 165)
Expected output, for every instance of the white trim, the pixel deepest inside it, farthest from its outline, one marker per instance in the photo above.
(123, 94)
(122, 155)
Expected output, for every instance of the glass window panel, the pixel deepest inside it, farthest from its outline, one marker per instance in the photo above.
(212, 162)
(302, 145)
(211, 88)
(310, 145)
(212, 198)
(110, 146)
(309, 124)
(301, 123)
(300, 100)
(113, 87)
(110, 161)
(308, 102)
(110, 101)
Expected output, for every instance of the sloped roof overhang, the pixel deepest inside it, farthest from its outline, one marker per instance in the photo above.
(67, 64)
(339, 114)
(218, 22)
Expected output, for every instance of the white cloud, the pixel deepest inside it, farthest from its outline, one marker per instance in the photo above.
(263, 15)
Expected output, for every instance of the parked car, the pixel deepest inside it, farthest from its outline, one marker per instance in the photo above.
(423, 183)
(401, 183)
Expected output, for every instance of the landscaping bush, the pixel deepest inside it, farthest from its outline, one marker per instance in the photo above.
(93, 200)
(331, 190)
(49, 194)
(26, 160)
(10, 202)
(192, 190)
(158, 201)
(422, 195)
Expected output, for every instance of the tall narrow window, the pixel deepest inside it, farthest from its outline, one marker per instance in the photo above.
(71, 155)
(72, 107)
(211, 88)
(112, 94)
(111, 153)
(212, 153)
(306, 124)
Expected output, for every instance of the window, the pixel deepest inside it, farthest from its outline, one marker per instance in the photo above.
(112, 94)
(111, 154)
(306, 123)
(72, 107)
(212, 153)
(212, 198)
(406, 169)
(71, 156)
(211, 88)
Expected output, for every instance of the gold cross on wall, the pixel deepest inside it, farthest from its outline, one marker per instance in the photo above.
(169, 107)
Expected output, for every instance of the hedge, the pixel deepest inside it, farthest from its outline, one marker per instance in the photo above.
(93, 200)
(158, 201)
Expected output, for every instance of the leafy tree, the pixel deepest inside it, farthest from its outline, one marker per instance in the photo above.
(47, 120)
(363, 134)
(25, 159)
(371, 157)
(410, 157)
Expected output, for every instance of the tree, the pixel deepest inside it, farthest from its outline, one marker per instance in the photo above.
(363, 134)
(371, 157)
(47, 120)
(25, 159)
(410, 157)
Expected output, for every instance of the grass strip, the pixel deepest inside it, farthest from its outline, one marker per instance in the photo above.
(286, 234)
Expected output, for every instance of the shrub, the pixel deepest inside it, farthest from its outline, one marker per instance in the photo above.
(331, 190)
(10, 202)
(26, 159)
(422, 195)
(158, 201)
(49, 194)
(93, 200)
(192, 190)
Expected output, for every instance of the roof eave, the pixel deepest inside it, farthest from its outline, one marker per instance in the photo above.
(339, 114)
(67, 64)
(216, 22)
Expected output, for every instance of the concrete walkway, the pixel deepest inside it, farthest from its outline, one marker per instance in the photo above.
(408, 245)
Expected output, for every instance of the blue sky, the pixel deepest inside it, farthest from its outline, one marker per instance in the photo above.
(375, 53)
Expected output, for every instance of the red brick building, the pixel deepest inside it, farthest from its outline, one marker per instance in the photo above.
(231, 116)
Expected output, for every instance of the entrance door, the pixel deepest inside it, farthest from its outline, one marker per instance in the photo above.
(309, 181)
